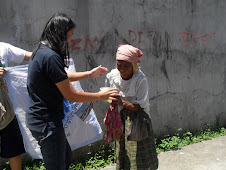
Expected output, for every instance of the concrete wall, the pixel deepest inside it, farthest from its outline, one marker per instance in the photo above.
(183, 44)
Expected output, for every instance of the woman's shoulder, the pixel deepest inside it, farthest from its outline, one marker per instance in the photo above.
(47, 51)
(3, 48)
(140, 75)
(5, 45)
(113, 74)
(46, 54)
(114, 77)
(2, 44)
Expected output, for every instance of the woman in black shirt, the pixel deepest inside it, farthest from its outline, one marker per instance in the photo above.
(48, 84)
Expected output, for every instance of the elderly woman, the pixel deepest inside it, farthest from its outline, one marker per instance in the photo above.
(133, 90)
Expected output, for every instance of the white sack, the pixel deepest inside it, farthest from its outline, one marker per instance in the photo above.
(78, 132)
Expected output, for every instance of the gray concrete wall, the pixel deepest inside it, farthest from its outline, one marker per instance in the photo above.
(182, 41)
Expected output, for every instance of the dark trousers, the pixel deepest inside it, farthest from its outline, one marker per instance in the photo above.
(11, 140)
(55, 148)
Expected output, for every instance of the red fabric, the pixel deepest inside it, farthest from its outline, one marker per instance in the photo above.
(114, 123)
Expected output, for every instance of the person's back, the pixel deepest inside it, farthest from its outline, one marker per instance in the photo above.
(45, 101)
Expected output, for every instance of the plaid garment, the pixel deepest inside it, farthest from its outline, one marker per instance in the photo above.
(135, 155)
(3, 83)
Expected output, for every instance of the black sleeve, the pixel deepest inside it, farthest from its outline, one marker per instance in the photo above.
(55, 69)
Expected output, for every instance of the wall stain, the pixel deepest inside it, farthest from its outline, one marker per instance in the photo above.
(156, 44)
(163, 68)
(102, 48)
(192, 6)
(168, 49)
(92, 64)
(123, 39)
(167, 93)
(161, 45)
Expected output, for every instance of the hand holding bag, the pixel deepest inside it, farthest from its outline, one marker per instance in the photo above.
(138, 128)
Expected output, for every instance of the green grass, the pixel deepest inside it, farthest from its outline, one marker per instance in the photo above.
(105, 155)
(179, 140)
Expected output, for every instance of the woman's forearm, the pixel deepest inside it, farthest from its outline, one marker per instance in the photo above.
(72, 95)
(75, 76)
(130, 106)
(79, 96)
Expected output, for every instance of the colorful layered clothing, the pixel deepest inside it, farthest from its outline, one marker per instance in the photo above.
(132, 154)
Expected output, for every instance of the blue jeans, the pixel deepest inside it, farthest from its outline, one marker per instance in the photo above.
(55, 148)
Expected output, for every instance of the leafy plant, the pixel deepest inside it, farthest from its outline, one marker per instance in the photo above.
(176, 141)
(105, 155)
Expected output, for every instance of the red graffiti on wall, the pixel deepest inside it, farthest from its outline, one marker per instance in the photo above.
(138, 39)
(197, 38)
(76, 43)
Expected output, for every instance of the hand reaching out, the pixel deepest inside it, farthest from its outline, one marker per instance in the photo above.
(97, 72)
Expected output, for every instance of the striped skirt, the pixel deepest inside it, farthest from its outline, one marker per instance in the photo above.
(132, 154)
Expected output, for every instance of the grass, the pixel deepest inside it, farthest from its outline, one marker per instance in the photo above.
(179, 140)
(105, 155)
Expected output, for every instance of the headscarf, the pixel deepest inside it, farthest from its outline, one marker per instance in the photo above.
(128, 53)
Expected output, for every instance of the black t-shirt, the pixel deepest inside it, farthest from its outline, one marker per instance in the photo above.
(45, 104)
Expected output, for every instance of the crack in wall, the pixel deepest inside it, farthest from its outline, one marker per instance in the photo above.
(193, 91)
(102, 48)
(121, 37)
(163, 68)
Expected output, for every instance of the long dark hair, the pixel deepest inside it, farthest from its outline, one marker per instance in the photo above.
(54, 35)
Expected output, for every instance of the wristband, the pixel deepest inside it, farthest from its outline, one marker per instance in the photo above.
(87, 74)
(87, 80)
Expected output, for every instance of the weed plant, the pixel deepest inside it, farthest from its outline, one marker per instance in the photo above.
(177, 141)
(105, 155)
